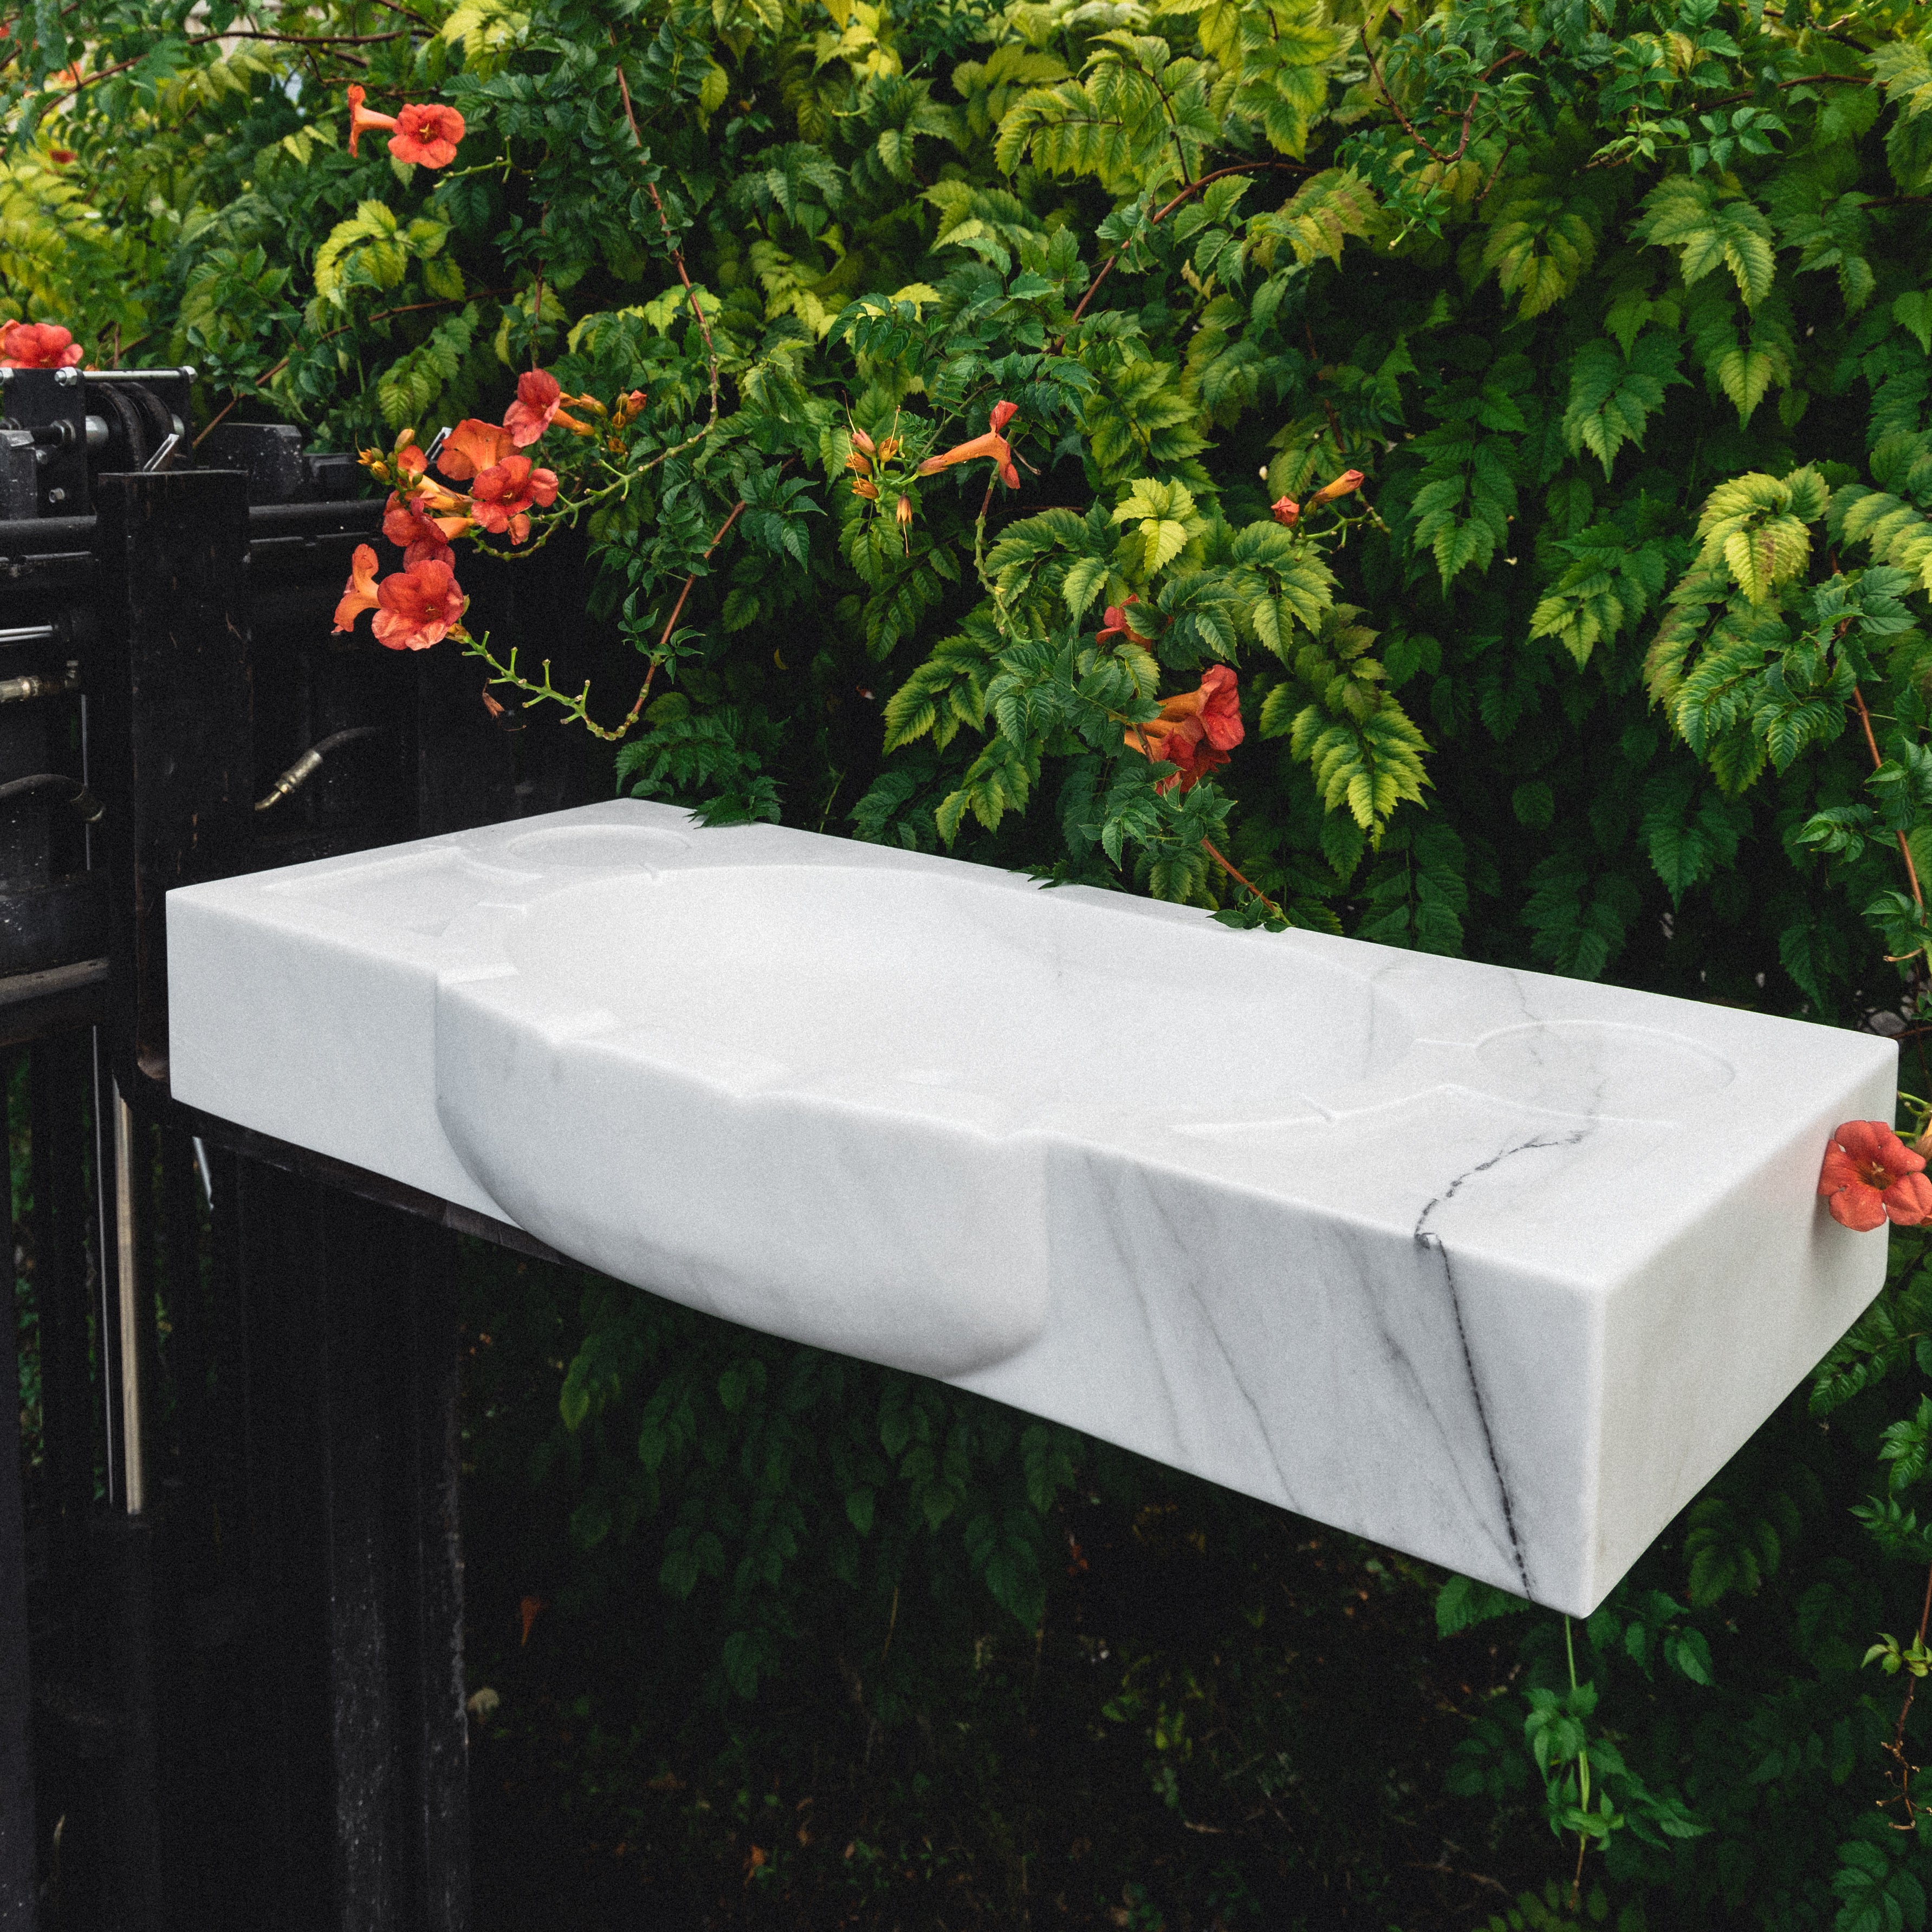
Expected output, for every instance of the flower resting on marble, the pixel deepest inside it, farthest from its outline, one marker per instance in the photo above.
(1871, 1176)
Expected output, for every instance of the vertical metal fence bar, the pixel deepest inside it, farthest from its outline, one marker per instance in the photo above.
(18, 1829)
(437, 1719)
(106, 1307)
(127, 1310)
(57, 1073)
(285, 1737)
(357, 1370)
(125, 1538)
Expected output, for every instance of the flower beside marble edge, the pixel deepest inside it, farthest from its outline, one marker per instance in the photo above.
(1871, 1176)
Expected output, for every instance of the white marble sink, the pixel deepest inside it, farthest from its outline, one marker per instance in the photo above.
(1495, 1268)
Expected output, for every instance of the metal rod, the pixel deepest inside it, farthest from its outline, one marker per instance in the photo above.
(103, 1234)
(28, 634)
(207, 1176)
(133, 1464)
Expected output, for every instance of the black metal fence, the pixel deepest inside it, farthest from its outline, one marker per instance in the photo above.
(231, 1671)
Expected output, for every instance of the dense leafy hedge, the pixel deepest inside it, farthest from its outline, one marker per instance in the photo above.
(1611, 663)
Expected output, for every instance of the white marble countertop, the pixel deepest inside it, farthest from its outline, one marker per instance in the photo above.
(1495, 1267)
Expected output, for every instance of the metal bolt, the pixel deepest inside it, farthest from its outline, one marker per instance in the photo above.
(67, 378)
(56, 496)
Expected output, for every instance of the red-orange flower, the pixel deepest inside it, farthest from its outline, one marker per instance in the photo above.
(473, 447)
(60, 157)
(427, 135)
(1344, 485)
(36, 345)
(501, 494)
(419, 606)
(1870, 1176)
(991, 444)
(416, 535)
(1196, 731)
(1118, 624)
(540, 401)
(1286, 512)
(358, 594)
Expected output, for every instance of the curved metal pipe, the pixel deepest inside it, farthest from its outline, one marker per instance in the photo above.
(71, 790)
(306, 766)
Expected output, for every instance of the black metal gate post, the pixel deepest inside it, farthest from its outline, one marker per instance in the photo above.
(356, 1666)
(18, 1835)
(177, 769)
(240, 1557)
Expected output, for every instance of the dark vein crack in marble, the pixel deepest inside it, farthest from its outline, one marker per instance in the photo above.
(1433, 1244)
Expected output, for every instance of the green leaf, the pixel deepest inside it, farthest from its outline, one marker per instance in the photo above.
(1612, 396)
(1710, 230)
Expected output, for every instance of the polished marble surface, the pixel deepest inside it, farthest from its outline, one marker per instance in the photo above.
(1495, 1267)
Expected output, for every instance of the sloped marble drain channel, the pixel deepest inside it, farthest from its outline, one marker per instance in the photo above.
(1495, 1268)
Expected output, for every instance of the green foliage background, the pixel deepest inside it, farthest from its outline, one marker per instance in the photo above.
(1623, 309)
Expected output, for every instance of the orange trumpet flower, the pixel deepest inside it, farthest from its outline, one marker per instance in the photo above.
(540, 401)
(991, 444)
(1196, 731)
(36, 345)
(427, 134)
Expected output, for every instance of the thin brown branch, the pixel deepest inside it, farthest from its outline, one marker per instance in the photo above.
(275, 369)
(1413, 133)
(578, 706)
(1192, 188)
(1904, 850)
(1214, 853)
(1409, 127)
(664, 222)
(1896, 1749)
(235, 33)
(1803, 80)
(301, 40)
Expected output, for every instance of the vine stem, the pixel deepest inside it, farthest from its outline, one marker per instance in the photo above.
(577, 707)
(382, 315)
(1410, 128)
(664, 222)
(1208, 846)
(1904, 850)
(1583, 1774)
(239, 33)
(1896, 1749)
(1192, 188)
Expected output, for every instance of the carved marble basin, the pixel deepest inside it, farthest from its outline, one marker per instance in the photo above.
(1495, 1268)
